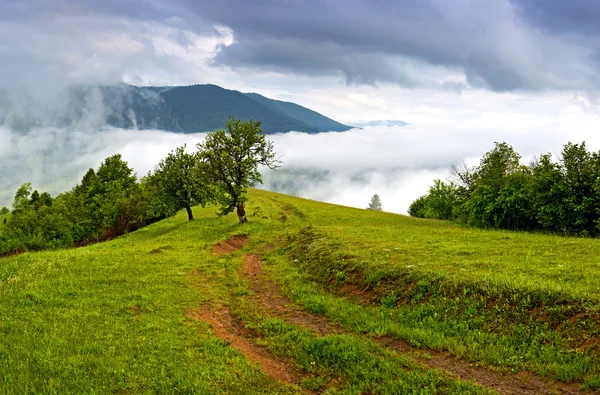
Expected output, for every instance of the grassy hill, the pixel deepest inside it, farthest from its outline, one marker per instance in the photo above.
(306, 297)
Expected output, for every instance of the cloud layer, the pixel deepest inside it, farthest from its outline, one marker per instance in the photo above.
(501, 45)
(398, 163)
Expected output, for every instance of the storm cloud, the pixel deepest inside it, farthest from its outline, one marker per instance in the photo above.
(501, 45)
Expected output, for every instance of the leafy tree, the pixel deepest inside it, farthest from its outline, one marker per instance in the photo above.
(88, 180)
(21, 199)
(232, 161)
(77, 205)
(46, 199)
(440, 201)
(106, 203)
(108, 198)
(375, 203)
(490, 178)
(112, 171)
(548, 194)
(580, 170)
(4, 211)
(513, 207)
(35, 198)
(181, 181)
(463, 175)
(417, 208)
(561, 197)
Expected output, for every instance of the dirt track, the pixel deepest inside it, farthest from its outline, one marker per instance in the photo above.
(269, 296)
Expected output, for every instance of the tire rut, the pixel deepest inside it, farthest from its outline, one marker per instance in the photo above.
(268, 294)
(230, 245)
(224, 328)
(234, 332)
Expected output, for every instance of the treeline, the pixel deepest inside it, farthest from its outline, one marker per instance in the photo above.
(110, 201)
(559, 196)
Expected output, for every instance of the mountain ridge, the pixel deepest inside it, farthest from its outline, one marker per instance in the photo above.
(180, 109)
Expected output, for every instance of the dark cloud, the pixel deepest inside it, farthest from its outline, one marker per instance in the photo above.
(497, 45)
(501, 45)
(136, 9)
(560, 16)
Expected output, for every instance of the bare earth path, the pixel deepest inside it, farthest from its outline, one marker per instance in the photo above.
(223, 326)
(268, 294)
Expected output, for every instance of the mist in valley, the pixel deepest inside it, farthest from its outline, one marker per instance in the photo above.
(396, 162)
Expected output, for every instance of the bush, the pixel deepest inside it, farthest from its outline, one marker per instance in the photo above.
(418, 207)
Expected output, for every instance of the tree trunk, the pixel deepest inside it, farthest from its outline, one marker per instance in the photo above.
(241, 213)
(190, 214)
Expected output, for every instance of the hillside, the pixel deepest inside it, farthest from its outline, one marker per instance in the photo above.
(180, 109)
(305, 297)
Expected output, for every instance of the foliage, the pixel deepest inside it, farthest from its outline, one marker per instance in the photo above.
(375, 203)
(21, 199)
(418, 206)
(232, 159)
(561, 197)
(181, 181)
(439, 203)
(107, 203)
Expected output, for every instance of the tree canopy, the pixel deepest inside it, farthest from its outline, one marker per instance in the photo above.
(232, 161)
(182, 181)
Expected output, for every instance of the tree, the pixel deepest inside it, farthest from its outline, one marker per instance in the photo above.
(88, 180)
(580, 170)
(112, 171)
(4, 211)
(441, 200)
(375, 203)
(181, 181)
(439, 203)
(232, 161)
(21, 199)
(109, 198)
(490, 178)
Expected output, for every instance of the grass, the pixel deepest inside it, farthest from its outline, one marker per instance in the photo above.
(112, 317)
(513, 300)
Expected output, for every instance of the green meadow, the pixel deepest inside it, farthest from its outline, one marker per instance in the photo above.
(133, 315)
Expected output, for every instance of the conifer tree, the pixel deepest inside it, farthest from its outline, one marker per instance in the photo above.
(375, 203)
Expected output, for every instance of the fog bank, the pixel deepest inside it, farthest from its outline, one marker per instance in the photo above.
(398, 163)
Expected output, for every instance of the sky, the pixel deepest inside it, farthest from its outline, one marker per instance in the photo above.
(462, 73)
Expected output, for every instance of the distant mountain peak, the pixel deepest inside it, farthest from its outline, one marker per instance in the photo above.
(180, 109)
